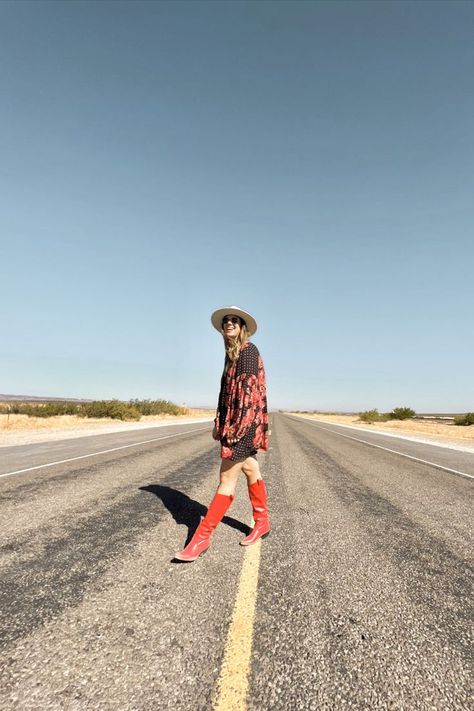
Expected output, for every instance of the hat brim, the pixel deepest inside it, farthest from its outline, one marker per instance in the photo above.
(217, 316)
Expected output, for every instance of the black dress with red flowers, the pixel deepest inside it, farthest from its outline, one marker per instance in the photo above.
(242, 408)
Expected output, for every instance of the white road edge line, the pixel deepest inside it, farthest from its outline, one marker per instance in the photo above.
(104, 451)
(393, 451)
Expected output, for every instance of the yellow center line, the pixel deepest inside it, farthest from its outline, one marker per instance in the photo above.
(232, 686)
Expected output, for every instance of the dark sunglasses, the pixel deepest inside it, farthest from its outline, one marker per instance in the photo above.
(231, 319)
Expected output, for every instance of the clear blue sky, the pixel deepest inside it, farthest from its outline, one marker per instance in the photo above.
(311, 162)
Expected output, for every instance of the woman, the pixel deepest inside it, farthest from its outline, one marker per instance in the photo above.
(241, 426)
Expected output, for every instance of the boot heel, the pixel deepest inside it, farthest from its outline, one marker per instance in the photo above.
(265, 535)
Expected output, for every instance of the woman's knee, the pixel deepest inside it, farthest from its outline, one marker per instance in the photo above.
(229, 472)
(250, 467)
(225, 478)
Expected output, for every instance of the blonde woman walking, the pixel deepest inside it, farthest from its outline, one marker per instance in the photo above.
(241, 427)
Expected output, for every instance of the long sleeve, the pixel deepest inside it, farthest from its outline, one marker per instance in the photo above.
(246, 396)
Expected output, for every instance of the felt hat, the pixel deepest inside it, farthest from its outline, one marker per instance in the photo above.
(217, 316)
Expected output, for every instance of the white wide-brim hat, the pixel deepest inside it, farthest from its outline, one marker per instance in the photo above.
(217, 316)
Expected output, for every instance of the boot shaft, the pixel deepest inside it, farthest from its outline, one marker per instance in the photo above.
(258, 498)
(201, 539)
(215, 513)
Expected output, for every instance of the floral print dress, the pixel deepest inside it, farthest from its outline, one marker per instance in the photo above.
(242, 408)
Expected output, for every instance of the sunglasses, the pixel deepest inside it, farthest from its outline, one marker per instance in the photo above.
(230, 319)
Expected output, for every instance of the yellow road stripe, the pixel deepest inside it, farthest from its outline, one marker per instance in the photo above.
(232, 686)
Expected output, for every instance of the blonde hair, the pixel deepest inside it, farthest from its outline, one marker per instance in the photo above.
(233, 346)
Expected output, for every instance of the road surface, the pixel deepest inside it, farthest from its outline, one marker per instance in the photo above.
(360, 598)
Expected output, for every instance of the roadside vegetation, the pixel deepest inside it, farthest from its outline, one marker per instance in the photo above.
(441, 426)
(406, 413)
(465, 420)
(398, 413)
(114, 409)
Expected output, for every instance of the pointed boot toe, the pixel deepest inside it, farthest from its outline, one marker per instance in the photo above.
(193, 551)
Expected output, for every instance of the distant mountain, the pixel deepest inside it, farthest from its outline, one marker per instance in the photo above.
(32, 398)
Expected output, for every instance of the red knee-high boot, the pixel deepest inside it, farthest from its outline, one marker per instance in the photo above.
(201, 540)
(258, 498)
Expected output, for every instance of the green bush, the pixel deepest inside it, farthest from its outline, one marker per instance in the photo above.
(370, 416)
(116, 409)
(158, 407)
(41, 409)
(402, 413)
(465, 420)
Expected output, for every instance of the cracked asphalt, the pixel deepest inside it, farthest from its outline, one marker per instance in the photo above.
(364, 597)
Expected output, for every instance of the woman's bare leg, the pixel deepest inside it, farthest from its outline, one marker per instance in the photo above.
(251, 470)
(228, 476)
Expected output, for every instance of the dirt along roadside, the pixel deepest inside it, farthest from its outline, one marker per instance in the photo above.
(448, 435)
(23, 429)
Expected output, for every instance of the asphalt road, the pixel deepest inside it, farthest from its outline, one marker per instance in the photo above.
(364, 596)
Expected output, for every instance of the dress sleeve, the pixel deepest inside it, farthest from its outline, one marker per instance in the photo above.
(246, 393)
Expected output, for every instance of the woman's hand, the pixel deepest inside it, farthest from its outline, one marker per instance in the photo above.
(214, 433)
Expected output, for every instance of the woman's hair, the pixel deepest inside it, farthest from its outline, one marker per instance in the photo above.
(232, 347)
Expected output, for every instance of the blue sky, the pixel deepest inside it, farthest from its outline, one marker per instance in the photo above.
(311, 162)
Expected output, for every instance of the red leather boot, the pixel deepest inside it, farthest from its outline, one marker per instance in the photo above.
(201, 540)
(258, 498)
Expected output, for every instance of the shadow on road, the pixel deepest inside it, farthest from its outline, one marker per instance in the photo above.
(188, 511)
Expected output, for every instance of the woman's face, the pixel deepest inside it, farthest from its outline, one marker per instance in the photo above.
(231, 325)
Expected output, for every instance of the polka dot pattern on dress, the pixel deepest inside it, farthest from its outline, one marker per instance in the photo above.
(242, 409)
